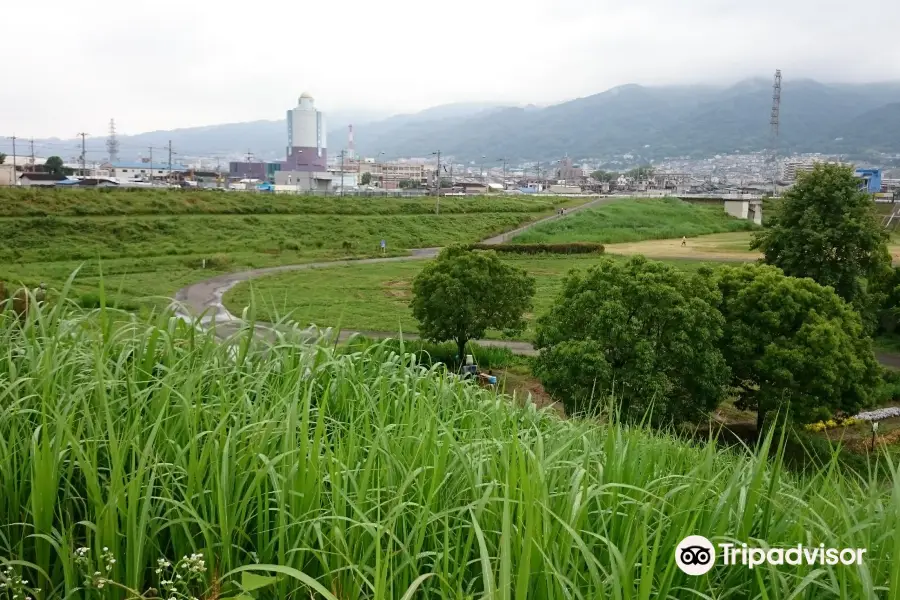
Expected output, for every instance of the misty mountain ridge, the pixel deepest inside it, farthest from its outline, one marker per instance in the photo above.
(652, 122)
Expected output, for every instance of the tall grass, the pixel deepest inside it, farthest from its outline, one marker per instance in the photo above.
(367, 475)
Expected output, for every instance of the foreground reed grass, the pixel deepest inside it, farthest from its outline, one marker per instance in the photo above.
(361, 474)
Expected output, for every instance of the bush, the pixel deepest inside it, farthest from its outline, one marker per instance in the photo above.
(570, 248)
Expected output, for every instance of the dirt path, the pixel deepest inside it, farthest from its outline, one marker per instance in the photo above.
(719, 247)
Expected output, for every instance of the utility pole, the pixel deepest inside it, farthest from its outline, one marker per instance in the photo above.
(437, 207)
(343, 153)
(15, 177)
(83, 151)
(170, 160)
(32, 154)
(151, 165)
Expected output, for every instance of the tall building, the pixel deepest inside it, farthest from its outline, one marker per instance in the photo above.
(306, 147)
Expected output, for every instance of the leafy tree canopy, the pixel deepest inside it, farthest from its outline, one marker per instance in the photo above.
(642, 332)
(2, 158)
(54, 165)
(463, 293)
(607, 176)
(825, 228)
(791, 340)
(366, 178)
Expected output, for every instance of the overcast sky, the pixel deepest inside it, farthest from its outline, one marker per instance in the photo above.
(167, 64)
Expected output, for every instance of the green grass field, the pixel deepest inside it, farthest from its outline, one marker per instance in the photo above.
(634, 220)
(339, 476)
(152, 242)
(376, 297)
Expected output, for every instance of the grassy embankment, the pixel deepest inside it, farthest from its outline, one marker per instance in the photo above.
(365, 476)
(635, 220)
(151, 242)
(376, 297)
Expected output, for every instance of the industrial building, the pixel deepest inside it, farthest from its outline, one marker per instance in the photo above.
(306, 148)
(388, 175)
(124, 171)
(871, 179)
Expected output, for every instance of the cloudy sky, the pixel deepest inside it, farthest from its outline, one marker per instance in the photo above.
(167, 64)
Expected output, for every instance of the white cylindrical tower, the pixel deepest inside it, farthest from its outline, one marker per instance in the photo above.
(306, 149)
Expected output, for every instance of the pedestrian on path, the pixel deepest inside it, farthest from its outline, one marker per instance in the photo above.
(683, 240)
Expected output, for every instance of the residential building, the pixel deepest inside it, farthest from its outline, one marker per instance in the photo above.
(40, 179)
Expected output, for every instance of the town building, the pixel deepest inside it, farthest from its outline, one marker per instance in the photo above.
(306, 141)
(7, 175)
(124, 171)
(40, 179)
(567, 172)
(388, 175)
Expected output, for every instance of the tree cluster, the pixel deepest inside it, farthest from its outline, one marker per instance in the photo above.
(659, 343)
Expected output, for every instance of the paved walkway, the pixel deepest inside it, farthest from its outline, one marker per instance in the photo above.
(204, 299)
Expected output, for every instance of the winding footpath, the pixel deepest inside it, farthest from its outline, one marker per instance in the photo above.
(204, 299)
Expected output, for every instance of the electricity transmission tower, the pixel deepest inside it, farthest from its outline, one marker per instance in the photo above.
(83, 152)
(774, 123)
(112, 143)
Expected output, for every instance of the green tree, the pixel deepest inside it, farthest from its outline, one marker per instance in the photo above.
(54, 165)
(825, 228)
(2, 158)
(606, 176)
(366, 178)
(792, 341)
(642, 332)
(463, 293)
(408, 184)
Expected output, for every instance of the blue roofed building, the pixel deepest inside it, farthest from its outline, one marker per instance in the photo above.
(871, 180)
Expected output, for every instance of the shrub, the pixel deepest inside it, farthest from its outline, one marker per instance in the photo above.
(570, 248)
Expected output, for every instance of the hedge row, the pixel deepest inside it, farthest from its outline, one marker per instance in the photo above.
(570, 248)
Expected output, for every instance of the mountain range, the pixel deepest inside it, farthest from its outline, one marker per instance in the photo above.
(648, 122)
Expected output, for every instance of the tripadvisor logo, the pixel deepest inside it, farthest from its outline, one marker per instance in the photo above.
(696, 555)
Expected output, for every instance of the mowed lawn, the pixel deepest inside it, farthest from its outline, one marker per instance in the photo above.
(149, 243)
(634, 220)
(375, 297)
